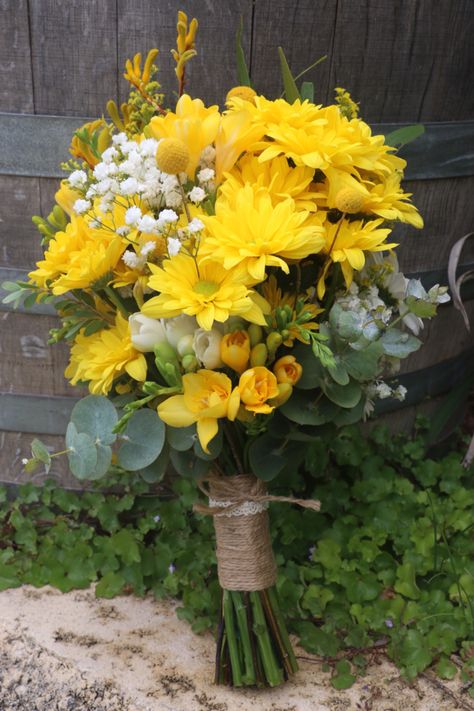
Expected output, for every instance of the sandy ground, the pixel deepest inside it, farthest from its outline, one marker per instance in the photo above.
(73, 652)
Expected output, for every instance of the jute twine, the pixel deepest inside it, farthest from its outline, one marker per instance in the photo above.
(238, 505)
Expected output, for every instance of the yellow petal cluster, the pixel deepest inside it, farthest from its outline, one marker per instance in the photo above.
(104, 356)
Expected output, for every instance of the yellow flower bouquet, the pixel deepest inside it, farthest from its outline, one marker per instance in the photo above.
(226, 283)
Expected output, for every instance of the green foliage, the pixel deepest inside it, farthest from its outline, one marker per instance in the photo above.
(243, 76)
(387, 564)
(402, 136)
(289, 84)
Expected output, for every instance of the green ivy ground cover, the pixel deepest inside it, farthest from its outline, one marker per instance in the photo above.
(388, 563)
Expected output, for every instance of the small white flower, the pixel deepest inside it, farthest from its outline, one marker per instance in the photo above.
(174, 245)
(400, 392)
(171, 568)
(147, 248)
(119, 139)
(123, 230)
(383, 390)
(95, 223)
(205, 175)
(147, 224)
(81, 206)
(130, 259)
(148, 147)
(109, 154)
(157, 518)
(103, 186)
(168, 216)
(129, 186)
(106, 204)
(207, 347)
(195, 225)
(146, 332)
(197, 195)
(101, 171)
(77, 179)
(133, 215)
(208, 155)
(24, 461)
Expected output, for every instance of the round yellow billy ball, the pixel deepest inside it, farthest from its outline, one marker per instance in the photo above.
(172, 156)
(241, 92)
(349, 200)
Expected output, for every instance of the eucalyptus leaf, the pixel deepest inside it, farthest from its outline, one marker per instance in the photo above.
(96, 416)
(423, 309)
(155, 472)
(313, 371)
(266, 458)
(342, 395)
(363, 364)
(104, 460)
(144, 439)
(188, 465)
(181, 438)
(339, 372)
(398, 343)
(82, 454)
(307, 408)
(347, 324)
(350, 416)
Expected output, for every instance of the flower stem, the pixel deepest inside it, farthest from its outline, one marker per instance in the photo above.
(275, 606)
(241, 615)
(116, 301)
(273, 673)
(232, 639)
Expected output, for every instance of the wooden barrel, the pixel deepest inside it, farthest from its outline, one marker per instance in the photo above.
(402, 62)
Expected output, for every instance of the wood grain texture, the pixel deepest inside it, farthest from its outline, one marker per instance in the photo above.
(16, 87)
(144, 24)
(406, 61)
(74, 55)
(19, 240)
(448, 212)
(305, 31)
(28, 363)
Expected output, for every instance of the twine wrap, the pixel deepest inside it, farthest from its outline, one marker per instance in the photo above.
(238, 505)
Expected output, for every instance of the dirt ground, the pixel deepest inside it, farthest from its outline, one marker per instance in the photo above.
(73, 652)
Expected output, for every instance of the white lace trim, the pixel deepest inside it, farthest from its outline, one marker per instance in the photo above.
(246, 508)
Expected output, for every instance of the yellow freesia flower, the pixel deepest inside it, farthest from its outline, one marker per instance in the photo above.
(202, 289)
(104, 356)
(192, 123)
(257, 386)
(287, 370)
(280, 179)
(235, 350)
(346, 243)
(254, 234)
(208, 396)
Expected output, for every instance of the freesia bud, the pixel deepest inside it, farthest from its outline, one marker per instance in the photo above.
(284, 393)
(255, 334)
(258, 355)
(235, 350)
(207, 347)
(185, 345)
(287, 370)
(190, 363)
(145, 332)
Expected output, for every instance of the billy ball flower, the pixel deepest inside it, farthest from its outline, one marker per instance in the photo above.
(349, 201)
(172, 156)
(287, 370)
(246, 93)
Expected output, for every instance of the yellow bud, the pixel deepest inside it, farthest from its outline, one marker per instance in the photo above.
(274, 340)
(287, 370)
(241, 92)
(284, 393)
(349, 200)
(235, 350)
(172, 156)
(258, 355)
(255, 334)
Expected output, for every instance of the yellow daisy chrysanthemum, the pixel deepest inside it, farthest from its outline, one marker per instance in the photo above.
(253, 233)
(100, 358)
(203, 289)
(57, 258)
(346, 243)
(281, 180)
(238, 132)
(193, 123)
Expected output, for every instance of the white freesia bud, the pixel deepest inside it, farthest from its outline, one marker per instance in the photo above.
(146, 332)
(207, 346)
(178, 327)
(185, 345)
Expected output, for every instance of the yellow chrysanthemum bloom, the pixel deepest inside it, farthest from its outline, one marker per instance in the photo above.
(281, 180)
(208, 396)
(346, 243)
(278, 111)
(203, 289)
(192, 123)
(253, 233)
(385, 198)
(100, 358)
(91, 265)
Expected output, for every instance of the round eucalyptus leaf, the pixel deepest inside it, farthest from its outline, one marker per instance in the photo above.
(188, 465)
(363, 364)
(265, 457)
(144, 439)
(304, 408)
(95, 416)
(339, 373)
(398, 343)
(156, 471)
(350, 416)
(82, 454)
(347, 324)
(104, 460)
(313, 371)
(181, 438)
(342, 395)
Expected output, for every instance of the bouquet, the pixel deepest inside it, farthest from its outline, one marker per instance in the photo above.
(226, 282)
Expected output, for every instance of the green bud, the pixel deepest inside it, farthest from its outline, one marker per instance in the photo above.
(234, 323)
(255, 334)
(151, 388)
(274, 340)
(167, 362)
(258, 355)
(281, 318)
(190, 363)
(289, 312)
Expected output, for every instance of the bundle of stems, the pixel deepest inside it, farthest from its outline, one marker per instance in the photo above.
(253, 646)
